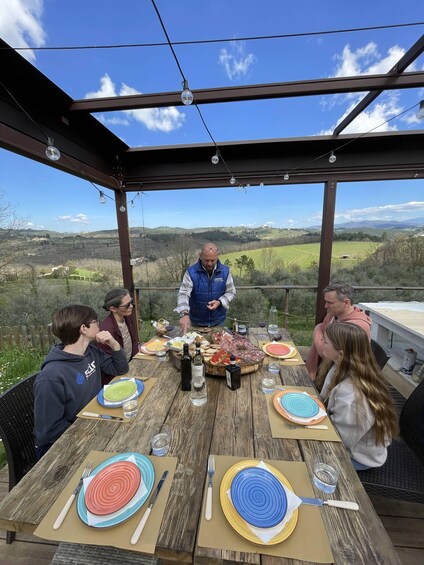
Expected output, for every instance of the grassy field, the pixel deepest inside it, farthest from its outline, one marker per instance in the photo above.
(267, 259)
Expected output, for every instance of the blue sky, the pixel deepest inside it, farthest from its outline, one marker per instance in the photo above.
(49, 199)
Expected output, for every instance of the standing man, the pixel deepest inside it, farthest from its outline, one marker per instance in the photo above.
(206, 291)
(339, 305)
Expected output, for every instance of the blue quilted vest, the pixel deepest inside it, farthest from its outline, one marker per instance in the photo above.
(205, 289)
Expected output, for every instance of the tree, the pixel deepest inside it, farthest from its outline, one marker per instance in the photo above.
(244, 263)
(9, 245)
(183, 252)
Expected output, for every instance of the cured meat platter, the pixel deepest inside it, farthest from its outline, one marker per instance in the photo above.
(216, 355)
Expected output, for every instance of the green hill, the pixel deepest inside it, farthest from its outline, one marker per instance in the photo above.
(344, 252)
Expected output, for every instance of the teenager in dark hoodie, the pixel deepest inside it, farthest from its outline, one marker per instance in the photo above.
(71, 373)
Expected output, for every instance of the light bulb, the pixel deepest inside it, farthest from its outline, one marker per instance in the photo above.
(186, 94)
(286, 176)
(132, 204)
(332, 158)
(420, 113)
(232, 180)
(215, 158)
(122, 208)
(261, 184)
(102, 198)
(52, 152)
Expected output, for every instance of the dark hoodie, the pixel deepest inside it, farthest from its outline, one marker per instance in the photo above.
(66, 383)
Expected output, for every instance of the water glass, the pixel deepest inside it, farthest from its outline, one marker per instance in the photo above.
(130, 408)
(325, 474)
(268, 384)
(199, 391)
(161, 440)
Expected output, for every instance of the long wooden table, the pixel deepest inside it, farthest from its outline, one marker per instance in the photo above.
(229, 424)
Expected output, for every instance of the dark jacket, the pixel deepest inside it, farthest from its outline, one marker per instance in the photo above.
(66, 383)
(205, 289)
(111, 325)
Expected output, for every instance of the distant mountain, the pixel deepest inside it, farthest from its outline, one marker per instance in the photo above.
(411, 224)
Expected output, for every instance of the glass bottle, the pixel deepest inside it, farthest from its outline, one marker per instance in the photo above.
(235, 326)
(199, 393)
(273, 322)
(186, 369)
(233, 374)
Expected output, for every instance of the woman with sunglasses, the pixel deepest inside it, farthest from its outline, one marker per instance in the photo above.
(119, 304)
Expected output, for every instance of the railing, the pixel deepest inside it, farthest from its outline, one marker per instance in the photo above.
(286, 288)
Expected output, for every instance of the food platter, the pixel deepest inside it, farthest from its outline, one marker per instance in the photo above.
(279, 350)
(154, 345)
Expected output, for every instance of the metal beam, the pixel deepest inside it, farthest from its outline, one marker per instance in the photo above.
(403, 63)
(254, 92)
(376, 156)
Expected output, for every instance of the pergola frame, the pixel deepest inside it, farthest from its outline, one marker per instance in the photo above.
(33, 108)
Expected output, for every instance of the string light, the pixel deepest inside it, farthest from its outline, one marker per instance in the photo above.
(102, 197)
(52, 152)
(232, 180)
(186, 94)
(122, 208)
(332, 158)
(420, 113)
(286, 176)
(215, 158)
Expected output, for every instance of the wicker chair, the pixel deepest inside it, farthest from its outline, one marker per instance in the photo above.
(379, 354)
(16, 431)
(402, 475)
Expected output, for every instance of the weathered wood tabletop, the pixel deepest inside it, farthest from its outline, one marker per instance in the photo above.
(229, 424)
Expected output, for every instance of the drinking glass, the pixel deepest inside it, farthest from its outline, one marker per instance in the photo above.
(325, 473)
(130, 408)
(161, 440)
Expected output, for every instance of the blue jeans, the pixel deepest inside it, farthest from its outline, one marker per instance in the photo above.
(359, 466)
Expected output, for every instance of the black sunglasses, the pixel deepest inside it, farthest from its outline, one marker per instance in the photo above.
(130, 303)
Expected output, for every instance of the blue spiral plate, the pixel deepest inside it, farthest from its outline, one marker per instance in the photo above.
(101, 398)
(259, 497)
(299, 404)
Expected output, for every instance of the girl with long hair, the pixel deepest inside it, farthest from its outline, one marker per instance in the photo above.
(356, 395)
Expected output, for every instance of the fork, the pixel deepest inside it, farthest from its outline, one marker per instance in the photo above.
(65, 509)
(316, 427)
(211, 472)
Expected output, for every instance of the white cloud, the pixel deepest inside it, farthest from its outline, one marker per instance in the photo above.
(236, 61)
(372, 118)
(20, 24)
(385, 212)
(367, 60)
(78, 219)
(154, 119)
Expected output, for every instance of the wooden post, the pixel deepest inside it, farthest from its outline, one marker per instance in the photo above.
(286, 308)
(327, 232)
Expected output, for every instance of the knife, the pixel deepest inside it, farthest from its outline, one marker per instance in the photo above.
(137, 533)
(104, 416)
(337, 503)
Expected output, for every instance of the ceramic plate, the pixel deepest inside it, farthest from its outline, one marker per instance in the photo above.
(299, 404)
(148, 474)
(119, 390)
(233, 517)
(279, 350)
(278, 402)
(154, 345)
(259, 497)
(112, 488)
(101, 399)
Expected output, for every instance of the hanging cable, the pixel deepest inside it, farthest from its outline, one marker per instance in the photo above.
(222, 40)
